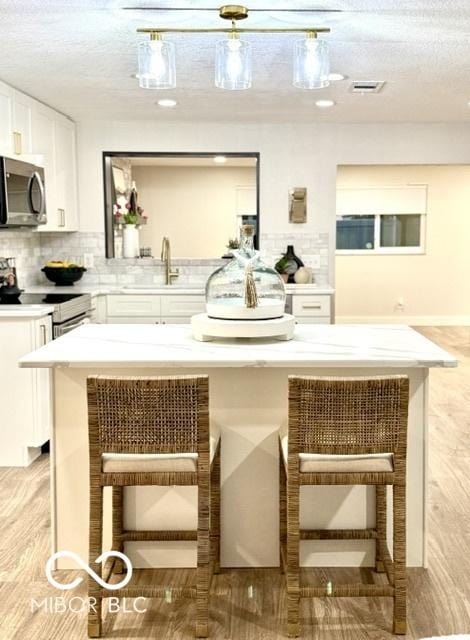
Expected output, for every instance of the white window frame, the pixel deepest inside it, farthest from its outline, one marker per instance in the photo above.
(379, 250)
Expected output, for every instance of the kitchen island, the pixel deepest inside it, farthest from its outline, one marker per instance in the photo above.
(248, 404)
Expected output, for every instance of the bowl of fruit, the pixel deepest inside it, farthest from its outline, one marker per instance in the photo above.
(63, 273)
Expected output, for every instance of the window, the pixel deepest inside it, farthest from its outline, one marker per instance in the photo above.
(380, 233)
(381, 219)
(355, 233)
(400, 231)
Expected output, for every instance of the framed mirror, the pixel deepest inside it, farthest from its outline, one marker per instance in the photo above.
(197, 200)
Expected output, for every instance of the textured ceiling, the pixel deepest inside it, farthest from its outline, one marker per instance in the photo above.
(79, 56)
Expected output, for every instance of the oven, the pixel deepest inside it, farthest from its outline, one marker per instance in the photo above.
(60, 329)
(70, 310)
(22, 194)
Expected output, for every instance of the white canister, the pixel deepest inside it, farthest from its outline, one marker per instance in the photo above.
(130, 241)
(303, 275)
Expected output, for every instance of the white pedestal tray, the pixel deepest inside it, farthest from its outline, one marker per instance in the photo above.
(206, 328)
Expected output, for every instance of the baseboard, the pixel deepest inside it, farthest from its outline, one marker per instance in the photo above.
(417, 321)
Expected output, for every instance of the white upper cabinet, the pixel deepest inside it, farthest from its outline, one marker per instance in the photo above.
(28, 127)
(65, 174)
(6, 119)
(54, 139)
(43, 144)
(22, 123)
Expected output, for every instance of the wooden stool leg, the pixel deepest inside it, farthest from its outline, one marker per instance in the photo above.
(399, 558)
(282, 508)
(95, 546)
(215, 510)
(203, 555)
(118, 512)
(293, 569)
(380, 524)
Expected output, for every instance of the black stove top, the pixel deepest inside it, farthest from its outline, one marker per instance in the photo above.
(40, 298)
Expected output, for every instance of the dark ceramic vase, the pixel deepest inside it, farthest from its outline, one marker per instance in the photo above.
(294, 262)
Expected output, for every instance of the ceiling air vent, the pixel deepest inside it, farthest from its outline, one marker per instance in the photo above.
(366, 86)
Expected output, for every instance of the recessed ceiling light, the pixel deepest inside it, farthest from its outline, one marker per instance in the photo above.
(220, 159)
(324, 104)
(167, 102)
(336, 77)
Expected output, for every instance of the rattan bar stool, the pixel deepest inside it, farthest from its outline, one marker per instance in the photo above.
(153, 431)
(346, 431)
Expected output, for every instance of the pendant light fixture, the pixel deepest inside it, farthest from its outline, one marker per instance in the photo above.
(156, 63)
(233, 63)
(233, 55)
(311, 63)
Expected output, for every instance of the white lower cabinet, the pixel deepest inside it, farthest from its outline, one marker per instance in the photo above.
(182, 306)
(312, 309)
(98, 309)
(133, 306)
(178, 309)
(153, 309)
(25, 394)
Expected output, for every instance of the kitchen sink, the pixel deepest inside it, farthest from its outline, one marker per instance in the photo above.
(142, 288)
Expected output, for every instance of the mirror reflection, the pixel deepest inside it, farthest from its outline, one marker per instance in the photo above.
(199, 202)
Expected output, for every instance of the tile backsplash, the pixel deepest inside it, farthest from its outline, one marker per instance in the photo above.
(33, 249)
(25, 246)
(307, 246)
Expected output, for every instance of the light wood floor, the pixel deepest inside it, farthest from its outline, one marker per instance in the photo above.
(439, 598)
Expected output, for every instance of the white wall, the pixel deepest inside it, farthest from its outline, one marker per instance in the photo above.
(287, 160)
(291, 155)
(193, 206)
(416, 289)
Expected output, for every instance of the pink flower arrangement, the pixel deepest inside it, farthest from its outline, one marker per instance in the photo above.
(131, 214)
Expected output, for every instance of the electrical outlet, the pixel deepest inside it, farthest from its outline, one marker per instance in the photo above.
(400, 305)
(88, 260)
(314, 262)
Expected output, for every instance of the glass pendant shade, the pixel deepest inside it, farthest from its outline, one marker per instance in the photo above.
(157, 64)
(233, 64)
(311, 64)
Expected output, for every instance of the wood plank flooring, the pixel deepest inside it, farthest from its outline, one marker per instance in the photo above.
(439, 598)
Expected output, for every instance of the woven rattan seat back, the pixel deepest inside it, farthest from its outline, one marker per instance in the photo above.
(348, 415)
(148, 415)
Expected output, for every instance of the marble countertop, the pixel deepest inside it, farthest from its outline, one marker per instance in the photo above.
(174, 289)
(25, 311)
(173, 346)
(93, 289)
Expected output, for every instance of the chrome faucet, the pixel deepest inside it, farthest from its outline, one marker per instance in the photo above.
(166, 257)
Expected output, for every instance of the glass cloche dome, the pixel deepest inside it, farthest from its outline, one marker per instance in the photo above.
(245, 288)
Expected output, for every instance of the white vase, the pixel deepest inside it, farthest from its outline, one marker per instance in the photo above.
(303, 275)
(130, 241)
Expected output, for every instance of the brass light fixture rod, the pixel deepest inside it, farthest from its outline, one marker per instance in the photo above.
(234, 12)
(238, 30)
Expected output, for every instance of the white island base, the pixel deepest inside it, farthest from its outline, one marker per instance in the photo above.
(248, 403)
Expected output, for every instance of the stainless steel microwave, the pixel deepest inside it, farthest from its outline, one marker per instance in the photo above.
(22, 194)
